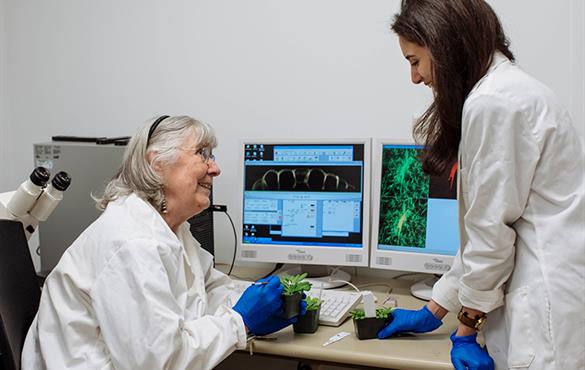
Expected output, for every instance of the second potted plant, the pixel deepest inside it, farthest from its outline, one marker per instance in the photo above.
(368, 327)
(309, 322)
(294, 286)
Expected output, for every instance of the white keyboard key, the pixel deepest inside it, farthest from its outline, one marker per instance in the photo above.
(336, 305)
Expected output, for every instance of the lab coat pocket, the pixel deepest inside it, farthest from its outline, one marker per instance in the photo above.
(520, 333)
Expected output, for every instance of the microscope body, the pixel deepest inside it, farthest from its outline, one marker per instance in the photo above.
(34, 201)
(28, 222)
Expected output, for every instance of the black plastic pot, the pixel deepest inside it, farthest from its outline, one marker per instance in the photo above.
(308, 323)
(369, 327)
(291, 305)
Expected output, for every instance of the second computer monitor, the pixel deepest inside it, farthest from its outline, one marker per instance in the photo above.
(305, 201)
(414, 223)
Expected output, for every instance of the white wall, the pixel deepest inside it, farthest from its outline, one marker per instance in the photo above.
(4, 133)
(255, 68)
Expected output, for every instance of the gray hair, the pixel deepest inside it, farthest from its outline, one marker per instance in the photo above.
(137, 175)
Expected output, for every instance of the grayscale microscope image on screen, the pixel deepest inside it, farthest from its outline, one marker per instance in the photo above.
(305, 195)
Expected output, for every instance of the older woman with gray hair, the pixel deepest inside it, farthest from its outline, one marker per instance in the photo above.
(135, 290)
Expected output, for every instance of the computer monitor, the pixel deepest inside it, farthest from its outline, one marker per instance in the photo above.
(414, 222)
(305, 201)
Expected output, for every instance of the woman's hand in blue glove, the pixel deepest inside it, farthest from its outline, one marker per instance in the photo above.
(260, 301)
(411, 321)
(467, 354)
(275, 322)
(261, 306)
(303, 306)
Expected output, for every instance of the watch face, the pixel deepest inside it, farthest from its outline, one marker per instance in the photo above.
(480, 323)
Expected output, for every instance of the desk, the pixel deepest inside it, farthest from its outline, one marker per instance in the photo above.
(423, 351)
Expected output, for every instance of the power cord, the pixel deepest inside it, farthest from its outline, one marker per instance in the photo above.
(235, 244)
(388, 298)
(376, 284)
(334, 270)
(223, 209)
(400, 276)
(357, 289)
(277, 267)
(346, 282)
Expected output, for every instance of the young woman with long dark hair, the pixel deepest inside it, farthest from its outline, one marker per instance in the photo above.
(520, 269)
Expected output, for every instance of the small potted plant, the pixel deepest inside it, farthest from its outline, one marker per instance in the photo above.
(294, 286)
(309, 322)
(368, 327)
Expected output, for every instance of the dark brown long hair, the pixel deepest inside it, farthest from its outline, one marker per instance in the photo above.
(462, 36)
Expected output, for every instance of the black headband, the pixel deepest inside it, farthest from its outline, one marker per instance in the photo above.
(154, 126)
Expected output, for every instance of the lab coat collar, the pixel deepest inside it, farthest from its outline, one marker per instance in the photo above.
(148, 215)
(497, 60)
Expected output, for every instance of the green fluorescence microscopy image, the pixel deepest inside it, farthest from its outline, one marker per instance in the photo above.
(403, 199)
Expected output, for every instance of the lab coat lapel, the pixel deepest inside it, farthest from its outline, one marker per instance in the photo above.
(193, 269)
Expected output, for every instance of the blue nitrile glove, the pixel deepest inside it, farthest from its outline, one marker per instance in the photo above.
(261, 305)
(467, 354)
(303, 306)
(275, 322)
(411, 321)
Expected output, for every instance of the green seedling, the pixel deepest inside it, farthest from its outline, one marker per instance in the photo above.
(381, 313)
(294, 284)
(313, 303)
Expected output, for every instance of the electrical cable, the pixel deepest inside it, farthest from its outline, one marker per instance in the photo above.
(408, 274)
(334, 269)
(223, 209)
(346, 282)
(235, 243)
(277, 267)
(375, 284)
(388, 297)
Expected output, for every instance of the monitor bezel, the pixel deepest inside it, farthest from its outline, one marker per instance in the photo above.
(308, 254)
(400, 260)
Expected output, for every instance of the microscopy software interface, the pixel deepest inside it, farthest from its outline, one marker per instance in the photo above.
(303, 194)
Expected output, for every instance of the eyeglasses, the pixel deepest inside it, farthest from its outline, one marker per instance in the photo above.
(205, 154)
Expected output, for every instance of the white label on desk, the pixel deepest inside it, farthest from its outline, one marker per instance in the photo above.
(336, 337)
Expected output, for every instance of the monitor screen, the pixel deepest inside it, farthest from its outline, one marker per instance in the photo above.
(305, 202)
(414, 223)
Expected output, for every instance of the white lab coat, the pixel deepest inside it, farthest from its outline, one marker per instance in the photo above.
(522, 217)
(131, 294)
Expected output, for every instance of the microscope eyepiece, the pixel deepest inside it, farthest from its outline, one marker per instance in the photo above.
(61, 181)
(27, 193)
(40, 176)
(50, 197)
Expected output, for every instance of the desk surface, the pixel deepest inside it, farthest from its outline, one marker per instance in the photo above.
(421, 351)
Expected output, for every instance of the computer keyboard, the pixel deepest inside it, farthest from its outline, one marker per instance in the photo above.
(335, 307)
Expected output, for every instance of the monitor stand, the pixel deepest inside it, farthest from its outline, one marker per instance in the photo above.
(325, 277)
(423, 289)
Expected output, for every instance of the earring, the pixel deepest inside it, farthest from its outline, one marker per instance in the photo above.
(163, 203)
(163, 206)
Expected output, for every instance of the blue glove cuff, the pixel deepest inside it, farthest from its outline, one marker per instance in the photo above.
(463, 339)
(431, 319)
